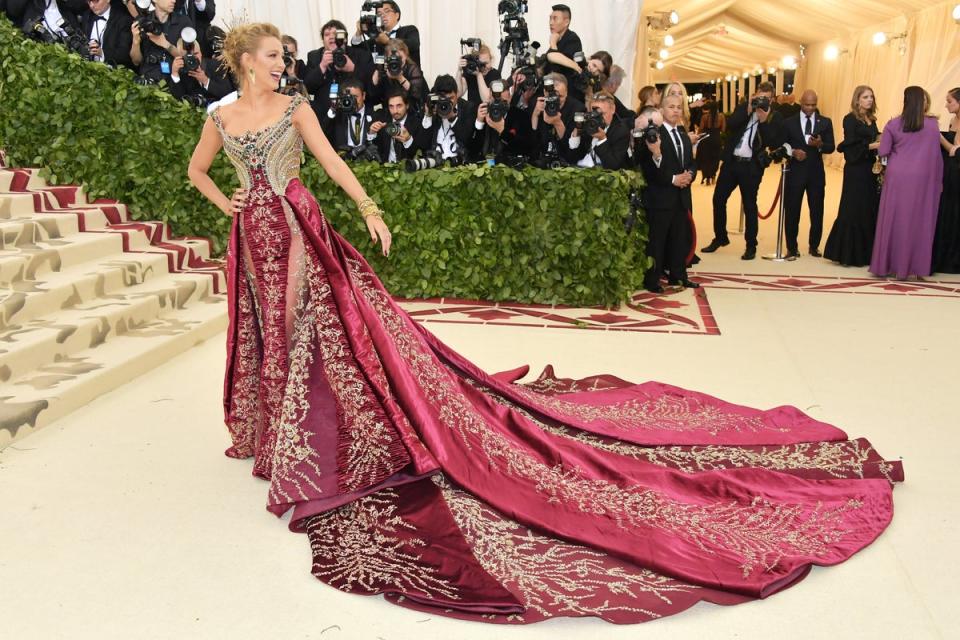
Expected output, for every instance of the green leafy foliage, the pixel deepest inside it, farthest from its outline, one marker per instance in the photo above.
(479, 232)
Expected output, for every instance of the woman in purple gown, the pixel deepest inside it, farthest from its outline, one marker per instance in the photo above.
(907, 220)
(420, 477)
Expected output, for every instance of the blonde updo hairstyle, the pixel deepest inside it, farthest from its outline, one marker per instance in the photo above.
(241, 39)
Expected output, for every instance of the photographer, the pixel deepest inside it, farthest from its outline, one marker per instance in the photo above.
(299, 68)
(326, 67)
(753, 127)
(389, 13)
(475, 83)
(552, 120)
(44, 19)
(395, 143)
(451, 125)
(153, 53)
(201, 13)
(611, 86)
(399, 73)
(205, 83)
(108, 31)
(607, 138)
(347, 120)
(666, 159)
(564, 45)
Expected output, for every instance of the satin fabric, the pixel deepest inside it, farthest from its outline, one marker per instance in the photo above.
(419, 476)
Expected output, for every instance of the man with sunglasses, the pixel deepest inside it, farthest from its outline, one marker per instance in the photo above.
(390, 18)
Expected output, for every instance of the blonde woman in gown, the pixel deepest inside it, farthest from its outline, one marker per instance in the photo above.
(418, 476)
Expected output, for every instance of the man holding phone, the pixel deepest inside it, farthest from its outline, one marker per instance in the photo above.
(810, 135)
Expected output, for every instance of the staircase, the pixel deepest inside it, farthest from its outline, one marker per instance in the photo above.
(90, 299)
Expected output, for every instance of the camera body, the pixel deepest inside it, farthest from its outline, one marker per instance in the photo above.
(371, 24)
(589, 122)
(551, 100)
(498, 108)
(347, 103)
(649, 134)
(340, 53)
(147, 19)
(778, 155)
(585, 80)
(473, 63)
(190, 61)
(760, 102)
(363, 153)
(394, 63)
(75, 41)
(393, 129)
(196, 100)
(442, 106)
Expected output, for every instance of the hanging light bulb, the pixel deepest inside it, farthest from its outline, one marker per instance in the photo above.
(668, 40)
(664, 54)
(879, 38)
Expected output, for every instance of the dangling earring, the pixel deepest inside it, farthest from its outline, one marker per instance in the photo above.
(253, 76)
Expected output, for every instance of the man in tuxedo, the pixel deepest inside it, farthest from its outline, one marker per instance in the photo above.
(552, 133)
(321, 72)
(107, 26)
(607, 147)
(811, 136)
(390, 19)
(669, 169)
(403, 145)
(564, 45)
(457, 134)
(750, 131)
(201, 14)
(344, 129)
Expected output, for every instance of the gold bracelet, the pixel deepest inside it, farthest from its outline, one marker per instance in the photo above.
(369, 208)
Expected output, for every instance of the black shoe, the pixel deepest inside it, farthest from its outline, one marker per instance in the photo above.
(655, 289)
(696, 260)
(749, 254)
(792, 253)
(686, 284)
(814, 252)
(714, 245)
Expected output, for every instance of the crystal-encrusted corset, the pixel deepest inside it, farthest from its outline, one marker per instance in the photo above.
(273, 152)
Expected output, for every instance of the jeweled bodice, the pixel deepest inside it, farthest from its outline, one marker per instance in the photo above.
(273, 152)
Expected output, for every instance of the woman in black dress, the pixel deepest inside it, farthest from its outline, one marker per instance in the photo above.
(851, 240)
(712, 123)
(946, 243)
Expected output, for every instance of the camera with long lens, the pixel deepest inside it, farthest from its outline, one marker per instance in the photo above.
(147, 19)
(371, 24)
(778, 155)
(394, 63)
(551, 101)
(75, 41)
(37, 30)
(760, 102)
(347, 103)
(429, 160)
(340, 53)
(363, 153)
(191, 62)
(195, 100)
(498, 107)
(589, 122)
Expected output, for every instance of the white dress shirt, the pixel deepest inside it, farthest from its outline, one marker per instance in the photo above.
(52, 18)
(590, 160)
(97, 30)
(745, 147)
(392, 153)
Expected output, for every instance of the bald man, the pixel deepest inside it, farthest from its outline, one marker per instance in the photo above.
(811, 136)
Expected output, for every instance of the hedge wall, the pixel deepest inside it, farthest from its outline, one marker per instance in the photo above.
(489, 233)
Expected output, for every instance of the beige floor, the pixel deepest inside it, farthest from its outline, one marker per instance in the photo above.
(124, 520)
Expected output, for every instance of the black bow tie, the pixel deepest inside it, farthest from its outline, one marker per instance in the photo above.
(98, 18)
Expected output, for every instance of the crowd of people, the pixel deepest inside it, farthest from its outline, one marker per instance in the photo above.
(898, 208)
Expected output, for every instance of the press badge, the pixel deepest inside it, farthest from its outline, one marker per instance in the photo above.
(165, 67)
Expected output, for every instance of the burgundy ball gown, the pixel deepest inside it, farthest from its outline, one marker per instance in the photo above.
(418, 476)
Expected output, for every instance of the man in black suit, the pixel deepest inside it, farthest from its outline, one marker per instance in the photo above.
(50, 13)
(552, 133)
(751, 130)
(322, 72)
(390, 19)
(201, 14)
(106, 25)
(607, 147)
(669, 169)
(811, 136)
(456, 132)
(403, 145)
(564, 45)
(347, 129)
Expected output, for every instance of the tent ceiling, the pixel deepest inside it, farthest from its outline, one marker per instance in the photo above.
(717, 37)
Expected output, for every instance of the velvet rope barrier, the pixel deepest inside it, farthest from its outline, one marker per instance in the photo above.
(776, 201)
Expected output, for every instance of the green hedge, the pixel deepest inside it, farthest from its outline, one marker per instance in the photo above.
(488, 233)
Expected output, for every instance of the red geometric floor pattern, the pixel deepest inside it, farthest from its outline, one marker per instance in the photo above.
(937, 286)
(682, 312)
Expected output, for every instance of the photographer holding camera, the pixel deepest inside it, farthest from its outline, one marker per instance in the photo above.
(552, 121)
(298, 68)
(395, 135)
(43, 19)
(564, 45)
(399, 73)
(666, 158)
(201, 13)
(452, 126)
(108, 32)
(475, 71)
(347, 120)
(375, 37)
(334, 63)
(753, 127)
(607, 137)
(196, 78)
(153, 34)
